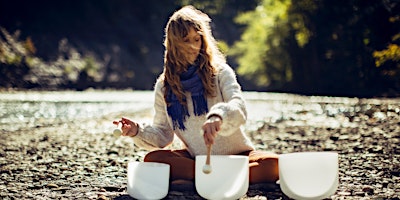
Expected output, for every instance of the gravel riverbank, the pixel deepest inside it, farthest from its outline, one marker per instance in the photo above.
(81, 159)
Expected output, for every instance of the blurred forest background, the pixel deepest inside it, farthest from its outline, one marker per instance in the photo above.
(312, 47)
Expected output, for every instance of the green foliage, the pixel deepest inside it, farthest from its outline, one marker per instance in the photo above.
(298, 20)
(223, 46)
(72, 63)
(260, 52)
(15, 59)
(19, 63)
(13, 51)
(91, 67)
(389, 59)
(391, 53)
(317, 46)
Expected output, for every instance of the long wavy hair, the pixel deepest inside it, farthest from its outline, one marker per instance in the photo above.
(175, 57)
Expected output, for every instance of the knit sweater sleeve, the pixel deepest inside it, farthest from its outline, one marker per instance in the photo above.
(159, 134)
(232, 110)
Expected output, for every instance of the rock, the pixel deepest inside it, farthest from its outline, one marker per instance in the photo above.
(368, 189)
(111, 188)
(344, 193)
(51, 185)
(334, 137)
(62, 189)
(102, 197)
(359, 193)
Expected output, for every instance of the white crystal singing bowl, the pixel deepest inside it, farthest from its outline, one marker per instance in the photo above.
(148, 180)
(309, 175)
(229, 177)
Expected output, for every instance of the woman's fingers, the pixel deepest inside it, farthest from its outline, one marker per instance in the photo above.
(208, 139)
(210, 129)
(129, 128)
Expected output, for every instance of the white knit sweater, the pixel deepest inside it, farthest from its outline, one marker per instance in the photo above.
(228, 104)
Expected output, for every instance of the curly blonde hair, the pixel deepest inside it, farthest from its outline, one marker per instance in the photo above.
(175, 61)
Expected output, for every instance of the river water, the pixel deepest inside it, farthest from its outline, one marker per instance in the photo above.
(21, 110)
(30, 109)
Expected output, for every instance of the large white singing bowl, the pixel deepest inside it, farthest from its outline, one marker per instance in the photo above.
(229, 177)
(148, 180)
(309, 175)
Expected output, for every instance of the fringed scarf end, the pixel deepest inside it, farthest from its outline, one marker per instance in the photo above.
(199, 104)
(178, 115)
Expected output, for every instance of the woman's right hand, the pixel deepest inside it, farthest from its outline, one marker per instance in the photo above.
(211, 128)
(128, 128)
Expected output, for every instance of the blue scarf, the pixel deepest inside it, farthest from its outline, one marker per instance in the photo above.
(191, 82)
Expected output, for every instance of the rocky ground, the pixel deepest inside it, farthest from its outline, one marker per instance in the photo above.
(81, 160)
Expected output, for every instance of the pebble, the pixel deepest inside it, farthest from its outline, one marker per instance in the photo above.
(344, 193)
(359, 193)
(368, 189)
(102, 197)
(52, 185)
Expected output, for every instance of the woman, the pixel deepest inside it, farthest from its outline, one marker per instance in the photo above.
(197, 92)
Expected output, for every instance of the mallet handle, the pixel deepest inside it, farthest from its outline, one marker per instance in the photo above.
(208, 154)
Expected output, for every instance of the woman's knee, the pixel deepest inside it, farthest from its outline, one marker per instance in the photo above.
(272, 165)
(156, 156)
(263, 167)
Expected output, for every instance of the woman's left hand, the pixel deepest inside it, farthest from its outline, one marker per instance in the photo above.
(211, 128)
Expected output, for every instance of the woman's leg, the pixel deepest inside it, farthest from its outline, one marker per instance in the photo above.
(263, 167)
(182, 165)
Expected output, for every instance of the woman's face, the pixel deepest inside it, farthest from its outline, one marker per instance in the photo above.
(192, 45)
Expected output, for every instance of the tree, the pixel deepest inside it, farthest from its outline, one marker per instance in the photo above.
(262, 42)
(315, 46)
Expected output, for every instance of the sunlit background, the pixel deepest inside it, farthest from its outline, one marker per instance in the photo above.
(337, 48)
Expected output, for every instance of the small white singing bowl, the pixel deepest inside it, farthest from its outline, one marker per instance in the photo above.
(229, 178)
(148, 180)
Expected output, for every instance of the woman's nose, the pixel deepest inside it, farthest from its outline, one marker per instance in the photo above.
(192, 47)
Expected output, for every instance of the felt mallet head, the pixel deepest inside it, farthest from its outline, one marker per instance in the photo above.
(118, 131)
